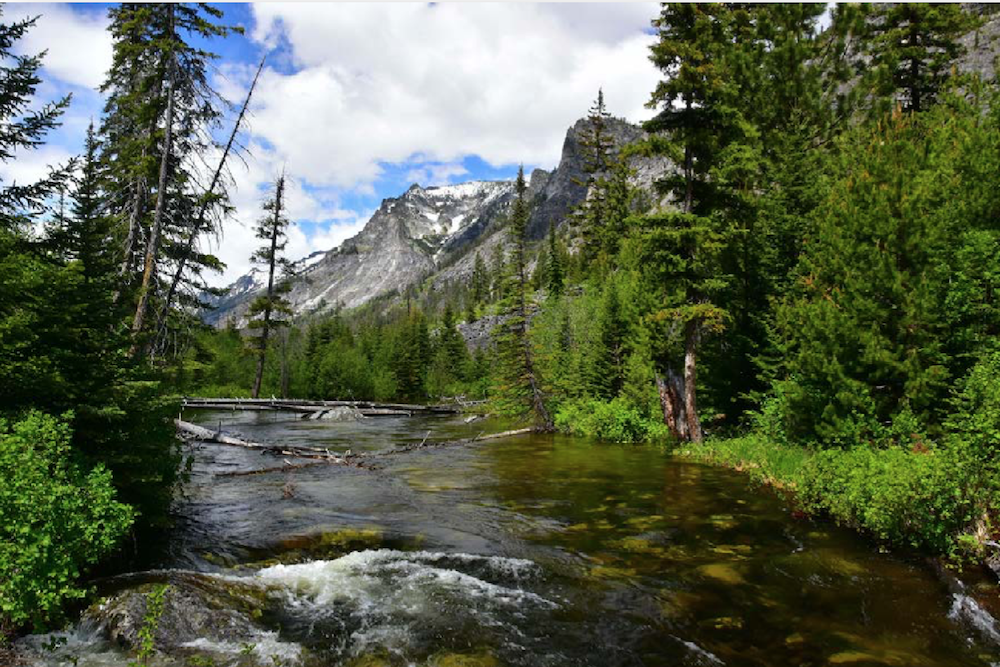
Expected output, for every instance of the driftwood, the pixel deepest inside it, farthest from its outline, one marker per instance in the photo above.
(202, 434)
(322, 456)
(308, 406)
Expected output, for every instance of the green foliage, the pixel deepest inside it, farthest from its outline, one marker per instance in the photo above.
(975, 419)
(925, 499)
(150, 624)
(866, 330)
(765, 460)
(615, 421)
(56, 519)
(913, 47)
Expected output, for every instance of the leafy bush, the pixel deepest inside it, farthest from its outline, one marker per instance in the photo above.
(616, 420)
(925, 499)
(56, 519)
(976, 419)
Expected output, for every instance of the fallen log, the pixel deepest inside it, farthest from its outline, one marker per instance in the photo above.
(203, 434)
(322, 456)
(310, 405)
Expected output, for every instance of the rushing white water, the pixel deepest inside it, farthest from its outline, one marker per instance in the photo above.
(393, 600)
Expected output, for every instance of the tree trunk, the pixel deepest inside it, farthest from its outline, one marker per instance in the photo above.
(133, 234)
(266, 329)
(543, 421)
(203, 209)
(669, 407)
(153, 244)
(691, 336)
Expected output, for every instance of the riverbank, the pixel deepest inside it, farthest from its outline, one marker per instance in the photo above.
(940, 500)
(538, 550)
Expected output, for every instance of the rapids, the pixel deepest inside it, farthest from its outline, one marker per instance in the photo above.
(535, 550)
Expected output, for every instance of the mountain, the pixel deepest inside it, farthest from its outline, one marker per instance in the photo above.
(429, 232)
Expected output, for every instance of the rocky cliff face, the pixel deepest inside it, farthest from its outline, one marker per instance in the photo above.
(404, 241)
(431, 232)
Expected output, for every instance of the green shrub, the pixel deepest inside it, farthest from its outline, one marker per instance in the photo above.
(925, 499)
(976, 416)
(56, 519)
(616, 420)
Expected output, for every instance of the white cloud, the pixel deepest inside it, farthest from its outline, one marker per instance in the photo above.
(29, 166)
(78, 43)
(380, 82)
(436, 174)
(318, 211)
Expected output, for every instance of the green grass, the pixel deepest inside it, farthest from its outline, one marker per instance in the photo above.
(762, 459)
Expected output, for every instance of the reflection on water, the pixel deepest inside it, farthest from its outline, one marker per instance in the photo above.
(536, 550)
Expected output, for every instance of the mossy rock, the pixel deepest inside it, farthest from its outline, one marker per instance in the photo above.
(723, 572)
(639, 545)
(463, 660)
(195, 606)
(723, 623)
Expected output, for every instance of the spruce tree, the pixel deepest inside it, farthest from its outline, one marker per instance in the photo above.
(267, 311)
(156, 132)
(913, 47)
(518, 391)
(25, 128)
(597, 154)
(556, 277)
(698, 122)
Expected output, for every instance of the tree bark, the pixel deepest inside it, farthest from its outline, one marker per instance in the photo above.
(153, 244)
(692, 334)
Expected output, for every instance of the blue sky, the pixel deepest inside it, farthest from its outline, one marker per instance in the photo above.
(358, 101)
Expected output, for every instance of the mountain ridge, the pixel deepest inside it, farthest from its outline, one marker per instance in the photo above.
(427, 232)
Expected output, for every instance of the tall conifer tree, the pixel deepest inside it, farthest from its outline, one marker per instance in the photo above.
(518, 388)
(267, 311)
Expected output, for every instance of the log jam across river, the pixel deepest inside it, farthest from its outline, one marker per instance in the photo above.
(532, 550)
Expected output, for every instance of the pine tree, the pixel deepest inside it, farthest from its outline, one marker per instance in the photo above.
(871, 329)
(597, 154)
(556, 277)
(699, 122)
(480, 281)
(266, 311)
(518, 390)
(157, 129)
(913, 47)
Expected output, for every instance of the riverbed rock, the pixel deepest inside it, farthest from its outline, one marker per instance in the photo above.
(195, 607)
(343, 413)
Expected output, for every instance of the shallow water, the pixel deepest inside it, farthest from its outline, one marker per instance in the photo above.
(534, 550)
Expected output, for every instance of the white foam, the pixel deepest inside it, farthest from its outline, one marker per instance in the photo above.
(363, 576)
(266, 646)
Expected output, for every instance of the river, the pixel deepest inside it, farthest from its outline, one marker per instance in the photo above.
(532, 550)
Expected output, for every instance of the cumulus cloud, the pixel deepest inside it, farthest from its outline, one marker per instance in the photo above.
(79, 48)
(352, 88)
(436, 174)
(378, 83)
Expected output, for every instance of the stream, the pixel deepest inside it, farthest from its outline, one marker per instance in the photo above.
(531, 550)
